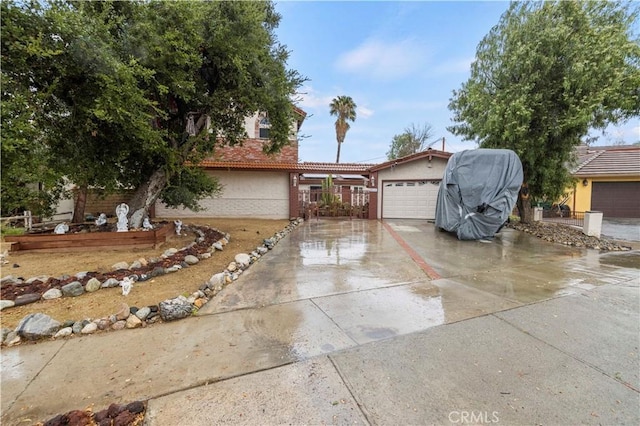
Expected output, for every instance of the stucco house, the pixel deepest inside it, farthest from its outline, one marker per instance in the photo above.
(608, 180)
(279, 186)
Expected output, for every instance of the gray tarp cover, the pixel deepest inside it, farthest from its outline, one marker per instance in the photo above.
(478, 191)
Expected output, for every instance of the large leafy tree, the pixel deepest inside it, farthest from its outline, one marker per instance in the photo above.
(344, 108)
(138, 93)
(412, 140)
(26, 171)
(543, 77)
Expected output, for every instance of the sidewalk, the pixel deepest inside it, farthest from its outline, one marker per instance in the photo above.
(339, 325)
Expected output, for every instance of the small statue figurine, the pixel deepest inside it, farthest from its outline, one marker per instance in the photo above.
(127, 285)
(121, 211)
(61, 228)
(101, 220)
(146, 225)
(178, 224)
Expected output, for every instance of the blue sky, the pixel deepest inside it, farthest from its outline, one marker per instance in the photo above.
(399, 61)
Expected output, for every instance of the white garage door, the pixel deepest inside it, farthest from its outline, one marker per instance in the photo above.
(409, 200)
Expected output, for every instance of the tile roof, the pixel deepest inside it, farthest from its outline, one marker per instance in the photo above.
(248, 165)
(412, 157)
(609, 162)
(342, 168)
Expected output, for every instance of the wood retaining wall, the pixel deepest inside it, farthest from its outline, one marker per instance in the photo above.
(81, 241)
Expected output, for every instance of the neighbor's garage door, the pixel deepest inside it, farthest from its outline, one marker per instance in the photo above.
(616, 199)
(409, 200)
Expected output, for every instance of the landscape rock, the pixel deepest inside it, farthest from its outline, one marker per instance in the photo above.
(243, 260)
(119, 325)
(37, 326)
(81, 275)
(123, 312)
(135, 407)
(173, 268)
(63, 332)
(41, 278)
(567, 235)
(92, 285)
(143, 313)
(10, 279)
(133, 322)
(217, 245)
(125, 418)
(120, 265)
(78, 326)
(170, 252)
(157, 271)
(25, 299)
(52, 293)
(191, 260)
(72, 289)
(6, 304)
(176, 308)
(103, 323)
(90, 328)
(12, 339)
(216, 279)
(5, 333)
(135, 265)
(111, 282)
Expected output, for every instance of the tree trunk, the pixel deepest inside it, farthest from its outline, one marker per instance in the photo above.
(146, 195)
(338, 156)
(80, 204)
(524, 209)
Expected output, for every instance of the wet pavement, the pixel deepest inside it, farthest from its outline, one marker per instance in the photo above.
(623, 229)
(375, 323)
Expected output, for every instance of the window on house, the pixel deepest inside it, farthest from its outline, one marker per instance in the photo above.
(264, 128)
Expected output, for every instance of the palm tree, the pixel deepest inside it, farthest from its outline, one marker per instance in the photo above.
(345, 109)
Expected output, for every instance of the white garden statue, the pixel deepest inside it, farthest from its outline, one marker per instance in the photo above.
(127, 285)
(178, 224)
(146, 225)
(61, 228)
(121, 211)
(101, 220)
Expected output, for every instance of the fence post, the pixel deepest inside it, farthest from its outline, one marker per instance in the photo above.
(28, 222)
(592, 224)
(537, 214)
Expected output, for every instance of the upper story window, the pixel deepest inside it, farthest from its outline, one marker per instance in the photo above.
(264, 128)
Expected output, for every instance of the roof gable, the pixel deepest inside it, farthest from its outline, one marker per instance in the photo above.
(610, 162)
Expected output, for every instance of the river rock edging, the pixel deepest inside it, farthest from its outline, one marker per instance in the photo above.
(38, 326)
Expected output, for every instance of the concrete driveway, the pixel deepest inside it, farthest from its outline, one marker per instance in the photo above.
(370, 322)
(621, 229)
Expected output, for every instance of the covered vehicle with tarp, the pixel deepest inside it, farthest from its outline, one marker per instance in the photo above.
(478, 191)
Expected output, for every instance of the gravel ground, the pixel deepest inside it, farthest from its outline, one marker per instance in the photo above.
(570, 236)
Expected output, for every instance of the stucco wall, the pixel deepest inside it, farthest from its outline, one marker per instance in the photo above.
(415, 170)
(581, 201)
(263, 195)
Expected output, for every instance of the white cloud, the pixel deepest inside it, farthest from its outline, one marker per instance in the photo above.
(384, 60)
(364, 112)
(310, 99)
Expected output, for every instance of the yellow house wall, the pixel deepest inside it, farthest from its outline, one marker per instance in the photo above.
(580, 195)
